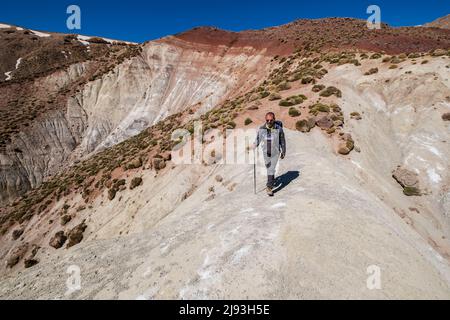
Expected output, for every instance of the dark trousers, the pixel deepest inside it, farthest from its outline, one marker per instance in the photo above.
(271, 165)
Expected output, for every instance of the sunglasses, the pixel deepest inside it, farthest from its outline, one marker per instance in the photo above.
(270, 121)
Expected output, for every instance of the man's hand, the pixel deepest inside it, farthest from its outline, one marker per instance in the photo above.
(282, 156)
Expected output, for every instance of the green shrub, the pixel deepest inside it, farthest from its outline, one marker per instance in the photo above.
(293, 112)
(231, 125)
(292, 101)
(264, 94)
(248, 121)
(371, 71)
(319, 107)
(308, 80)
(283, 86)
(286, 103)
(412, 191)
(331, 91)
(318, 87)
(376, 56)
(274, 96)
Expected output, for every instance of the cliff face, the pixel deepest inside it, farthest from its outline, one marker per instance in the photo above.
(169, 76)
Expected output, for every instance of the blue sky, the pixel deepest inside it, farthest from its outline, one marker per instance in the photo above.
(141, 20)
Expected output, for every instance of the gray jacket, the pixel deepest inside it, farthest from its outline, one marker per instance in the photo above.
(273, 140)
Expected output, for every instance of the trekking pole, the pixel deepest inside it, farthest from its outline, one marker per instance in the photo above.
(254, 170)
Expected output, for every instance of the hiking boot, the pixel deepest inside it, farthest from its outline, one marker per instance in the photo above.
(269, 192)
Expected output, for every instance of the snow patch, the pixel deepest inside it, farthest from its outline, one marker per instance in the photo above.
(83, 40)
(18, 62)
(4, 26)
(40, 34)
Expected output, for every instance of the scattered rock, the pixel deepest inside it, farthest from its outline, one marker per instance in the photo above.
(17, 233)
(136, 182)
(371, 71)
(219, 178)
(347, 145)
(305, 125)
(325, 122)
(439, 53)
(134, 164)
(66, 219)
(408, 180)
(167, 156)
(446, 116)
(158, 164)
(112, 194)
(356, 116)
(31, 263)
(75, 235)
(58, 240)
(16, 255)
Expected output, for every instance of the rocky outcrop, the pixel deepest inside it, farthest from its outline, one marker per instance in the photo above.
(169, 76)
(58, 240)
(75, 236)
(408, 180)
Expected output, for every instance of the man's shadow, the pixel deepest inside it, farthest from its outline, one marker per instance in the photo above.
(284, 180)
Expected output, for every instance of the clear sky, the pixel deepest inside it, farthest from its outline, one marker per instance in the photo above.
(141, 20)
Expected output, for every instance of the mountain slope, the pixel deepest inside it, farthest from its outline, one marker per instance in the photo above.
(443, 23)
(365, 181)
(199, 232)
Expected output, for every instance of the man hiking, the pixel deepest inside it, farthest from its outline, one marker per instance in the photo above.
(271, 136)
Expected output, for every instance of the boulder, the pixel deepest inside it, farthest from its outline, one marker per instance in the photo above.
(158, 163)
(325, 123)
(439, 53)
(75, 235)
(136, 182)
(16, 255)
(408, 180)
(58, 240)
(17, 233)
(134, 164)
(30, 263)
(66, 219)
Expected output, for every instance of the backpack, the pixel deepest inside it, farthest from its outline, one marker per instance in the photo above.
(279, 123)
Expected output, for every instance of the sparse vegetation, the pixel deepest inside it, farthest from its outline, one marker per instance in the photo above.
(331, 91)
(371, 71)
(318, 87)
(136, 182)
(292, 101)
(305, 125)
(293, 112)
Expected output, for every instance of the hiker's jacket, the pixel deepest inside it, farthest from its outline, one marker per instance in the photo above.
(272, 139)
